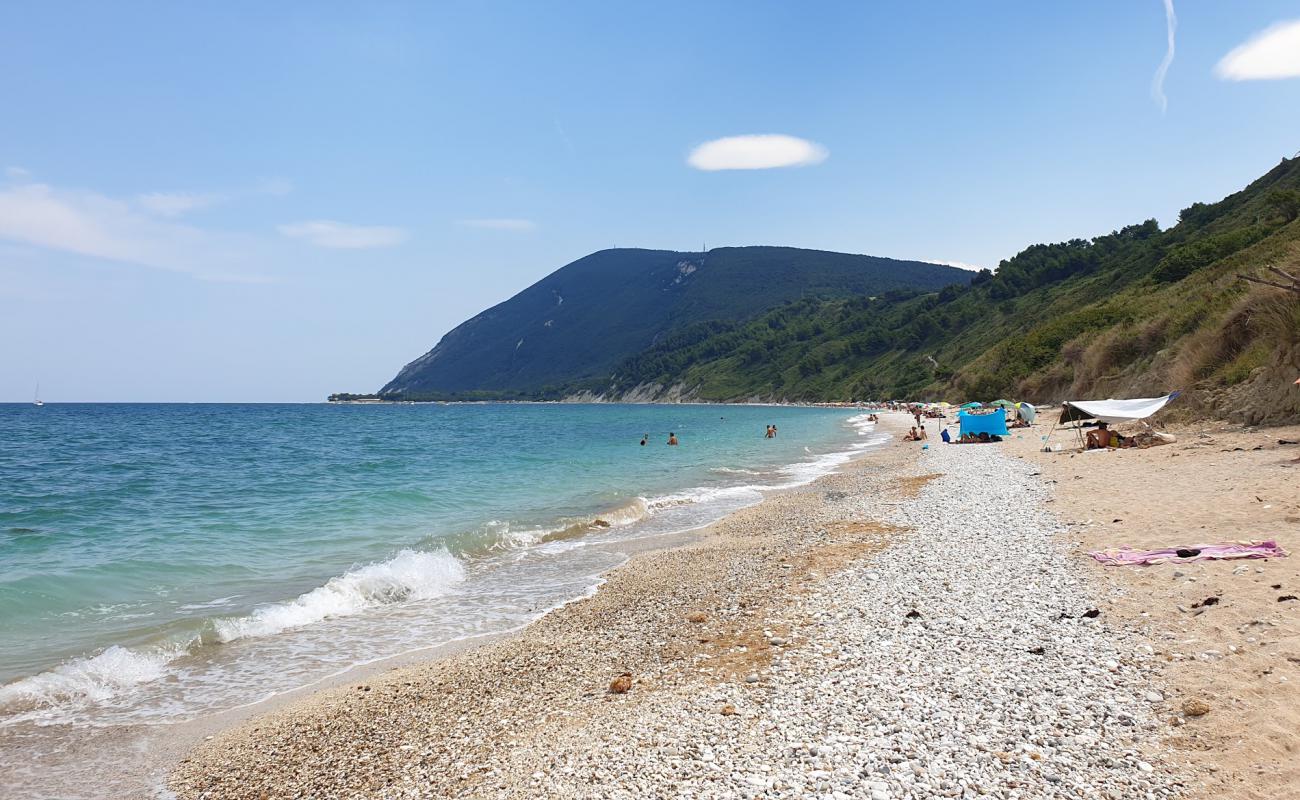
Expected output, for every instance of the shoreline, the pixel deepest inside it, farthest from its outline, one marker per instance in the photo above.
(720, 668)
(530, 712)
(150, 750)
(888, 454)
(774, 656)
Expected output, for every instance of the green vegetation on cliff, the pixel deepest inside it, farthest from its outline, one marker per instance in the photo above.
(1139, 310)
(1134, 312)
(582, 320)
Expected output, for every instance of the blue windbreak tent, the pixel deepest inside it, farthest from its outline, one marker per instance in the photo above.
(995, 423)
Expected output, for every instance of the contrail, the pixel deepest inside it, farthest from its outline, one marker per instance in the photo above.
(1158, 82)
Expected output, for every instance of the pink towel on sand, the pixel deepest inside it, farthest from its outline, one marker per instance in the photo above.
(1123, 555)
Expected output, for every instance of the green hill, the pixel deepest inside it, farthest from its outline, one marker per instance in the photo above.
(1134, 312)
(574, 326)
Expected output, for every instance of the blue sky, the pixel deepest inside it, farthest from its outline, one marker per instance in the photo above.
(268, 202)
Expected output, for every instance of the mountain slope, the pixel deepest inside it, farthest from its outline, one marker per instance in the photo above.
(576, 324)
(1137, 311)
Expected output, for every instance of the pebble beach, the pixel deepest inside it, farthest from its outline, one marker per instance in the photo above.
(920, 624)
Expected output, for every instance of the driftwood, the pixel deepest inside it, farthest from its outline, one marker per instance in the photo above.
(1293, 287)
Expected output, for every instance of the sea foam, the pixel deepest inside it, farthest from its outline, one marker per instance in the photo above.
(87, 680)
(410, 575)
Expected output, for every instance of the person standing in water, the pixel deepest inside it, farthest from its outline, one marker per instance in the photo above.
(771, 432)
(672, 439)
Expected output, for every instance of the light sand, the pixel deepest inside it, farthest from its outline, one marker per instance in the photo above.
(1241, 657)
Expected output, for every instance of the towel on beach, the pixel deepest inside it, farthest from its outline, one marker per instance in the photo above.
(1123, 556)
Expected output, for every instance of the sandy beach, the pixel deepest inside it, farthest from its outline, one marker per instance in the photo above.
(1238, 656)
(917, 625)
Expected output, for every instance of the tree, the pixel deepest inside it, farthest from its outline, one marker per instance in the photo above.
(1285, 201)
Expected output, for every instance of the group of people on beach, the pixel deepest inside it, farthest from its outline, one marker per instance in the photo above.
(916, 434)
(978, 438)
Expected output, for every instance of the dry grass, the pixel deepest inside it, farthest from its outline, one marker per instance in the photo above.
(1259, 312)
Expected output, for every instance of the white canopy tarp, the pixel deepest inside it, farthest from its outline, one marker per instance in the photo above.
(1114, 411)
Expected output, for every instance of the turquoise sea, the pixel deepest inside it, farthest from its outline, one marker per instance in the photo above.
(162, 562)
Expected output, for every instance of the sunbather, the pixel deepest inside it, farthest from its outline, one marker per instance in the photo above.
(1099, 439)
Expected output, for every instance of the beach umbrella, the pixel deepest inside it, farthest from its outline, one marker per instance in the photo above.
(1003, 404)
(972, 404)
(1027, 412)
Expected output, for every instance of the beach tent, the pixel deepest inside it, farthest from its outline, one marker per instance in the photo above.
(1027, 412)
(1110, 411)
(1114, 411)
(995, 423)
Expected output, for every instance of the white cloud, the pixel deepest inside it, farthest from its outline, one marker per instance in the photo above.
(1158, 81)
(957, 264)
(90, 224)
(515, 225)
(17, 173)
(1271, 54)
(173, 204)
(756, 151)
(341, 236)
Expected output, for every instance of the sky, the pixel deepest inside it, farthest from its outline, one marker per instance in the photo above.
(244, 201)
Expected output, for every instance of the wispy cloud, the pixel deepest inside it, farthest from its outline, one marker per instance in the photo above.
(95, 225)
(1268, 55)
(342, 236)
(756, 151)
(1158, 81)
(503, 224)
(17, 173)
(173, 204)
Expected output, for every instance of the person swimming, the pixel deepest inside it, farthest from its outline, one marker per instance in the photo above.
(672, 438)
(644, 438)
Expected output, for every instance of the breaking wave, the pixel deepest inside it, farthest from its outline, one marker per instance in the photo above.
(79, 682)
(410, 575)
(82, 681)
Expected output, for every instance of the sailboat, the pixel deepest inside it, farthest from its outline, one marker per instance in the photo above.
(36, 398)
